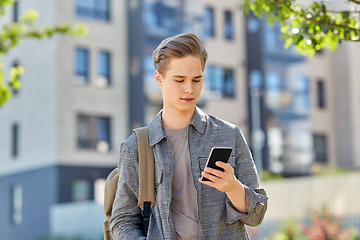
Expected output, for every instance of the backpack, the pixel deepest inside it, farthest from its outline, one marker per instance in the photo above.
(146, 183)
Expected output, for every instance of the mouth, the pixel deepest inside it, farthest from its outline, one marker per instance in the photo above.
(188, 99)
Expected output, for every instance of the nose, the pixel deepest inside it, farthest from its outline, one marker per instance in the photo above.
(189, 88)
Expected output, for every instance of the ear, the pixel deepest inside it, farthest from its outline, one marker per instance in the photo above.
(158, 78)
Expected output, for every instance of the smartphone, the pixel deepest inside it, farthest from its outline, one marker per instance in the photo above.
(217, 154)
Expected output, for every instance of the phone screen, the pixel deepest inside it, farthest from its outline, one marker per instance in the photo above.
(217, 154)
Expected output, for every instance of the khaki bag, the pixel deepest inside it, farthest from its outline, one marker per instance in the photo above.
(146, 183)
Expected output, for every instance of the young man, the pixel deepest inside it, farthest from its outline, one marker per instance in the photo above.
(182, 136)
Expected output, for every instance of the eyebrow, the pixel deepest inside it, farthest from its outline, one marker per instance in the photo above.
(180, 76)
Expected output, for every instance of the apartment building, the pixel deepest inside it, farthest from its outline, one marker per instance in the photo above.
(60, 134)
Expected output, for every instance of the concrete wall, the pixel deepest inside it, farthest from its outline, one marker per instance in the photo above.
(354, 75)
(39, 193)
(322, 120)
(229, 54)
(33, 109)
(42, 189)
(89, 99)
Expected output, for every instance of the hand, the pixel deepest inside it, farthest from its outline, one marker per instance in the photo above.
(222, 181)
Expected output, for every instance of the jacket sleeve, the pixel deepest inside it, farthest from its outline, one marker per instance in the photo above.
(245, 172)
(125, 221)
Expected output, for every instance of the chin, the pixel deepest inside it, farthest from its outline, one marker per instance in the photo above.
(187, 108)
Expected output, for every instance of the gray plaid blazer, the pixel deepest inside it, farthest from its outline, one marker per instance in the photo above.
(218, 219)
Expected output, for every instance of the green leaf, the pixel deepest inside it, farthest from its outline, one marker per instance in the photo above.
(324, 27)
(284, 28)
(330, 40)
(298, 38)
(246, 6)
(288, 42)
(29, 17)
(323, 8)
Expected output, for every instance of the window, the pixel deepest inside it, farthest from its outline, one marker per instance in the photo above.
(82, 65)
(16, 11)
(16, 92)
(93, 9)
(99, 187)
(271, 36)
(15, 140)
(320, 94)
(228, 28)
(161, 17)
(228, 89)
(103, 79)
(273, 81)
(320, 148)
(220, 82)
(276, 93)
(17, 203)
(80, 190)
(209, 22)
(94, 133)
(301, 102)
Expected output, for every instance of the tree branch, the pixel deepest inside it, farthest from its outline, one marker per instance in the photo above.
(354, 1)
(321, 22)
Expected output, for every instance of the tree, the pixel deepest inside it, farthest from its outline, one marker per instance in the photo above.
(310, 28)
(12, 33)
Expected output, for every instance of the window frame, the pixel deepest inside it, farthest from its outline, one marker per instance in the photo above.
(320, 94)
(228, 25)
(94, 13)
(74, 190)
(16, 11)
(218, 79)
(210, 26)
(107, 75)
(79, 73)
(15, 140)
(17, 199)
(93, 138)
(324, 158)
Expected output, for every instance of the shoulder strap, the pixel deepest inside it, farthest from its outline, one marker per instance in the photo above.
(146, 183)
(146, 168)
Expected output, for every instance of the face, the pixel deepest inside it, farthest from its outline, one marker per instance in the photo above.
(181, 84)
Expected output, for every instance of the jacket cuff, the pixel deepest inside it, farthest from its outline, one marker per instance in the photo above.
(252, 200)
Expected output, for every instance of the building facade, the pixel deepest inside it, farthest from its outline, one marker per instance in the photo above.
(60, 134)
(80, 98)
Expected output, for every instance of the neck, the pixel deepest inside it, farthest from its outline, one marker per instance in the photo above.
(174, 119)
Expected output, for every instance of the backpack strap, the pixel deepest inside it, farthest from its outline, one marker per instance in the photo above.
(146, 168)
(146, 198)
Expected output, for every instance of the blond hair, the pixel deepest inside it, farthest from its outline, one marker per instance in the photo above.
(177, 47)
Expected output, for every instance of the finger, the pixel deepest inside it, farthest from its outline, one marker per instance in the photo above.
(227, 167)
(208, 183)
(210, 176)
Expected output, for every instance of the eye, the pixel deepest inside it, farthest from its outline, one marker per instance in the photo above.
(179, 81)
(197, 80)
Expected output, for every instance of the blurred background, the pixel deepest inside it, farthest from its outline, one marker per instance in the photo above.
(81, 97)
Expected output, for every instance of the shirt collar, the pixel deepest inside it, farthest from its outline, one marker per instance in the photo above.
(156, 132)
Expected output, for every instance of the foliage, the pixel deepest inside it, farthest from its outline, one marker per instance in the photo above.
(326, 226)
(267, 175)
(12, 33)
(323, 226)
(309, 28)
(320, 170)
(289, 231)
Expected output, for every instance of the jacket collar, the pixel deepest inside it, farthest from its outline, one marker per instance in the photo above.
(156, 132)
